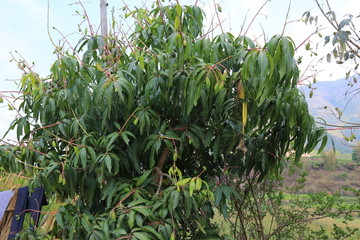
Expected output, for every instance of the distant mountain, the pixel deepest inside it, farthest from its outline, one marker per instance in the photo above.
(331, 98)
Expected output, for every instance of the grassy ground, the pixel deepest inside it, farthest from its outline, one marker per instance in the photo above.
(328, 223)
(319, 179)
(325, 223)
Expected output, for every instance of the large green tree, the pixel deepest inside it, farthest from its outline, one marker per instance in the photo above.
(132, 136)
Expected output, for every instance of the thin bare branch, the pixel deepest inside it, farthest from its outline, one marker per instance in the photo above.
(48, 24)
(316, 31)
(71, 47)
(286, 18)
(218, 17)
(253, 19)
(243, 24)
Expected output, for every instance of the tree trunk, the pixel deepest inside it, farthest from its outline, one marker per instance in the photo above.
(103, 16)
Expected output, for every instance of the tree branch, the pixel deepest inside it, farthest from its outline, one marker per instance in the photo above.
(160, 164)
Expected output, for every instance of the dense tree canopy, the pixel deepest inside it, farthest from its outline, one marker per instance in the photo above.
(133, 136)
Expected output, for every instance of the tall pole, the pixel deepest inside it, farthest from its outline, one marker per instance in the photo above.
(103, 16)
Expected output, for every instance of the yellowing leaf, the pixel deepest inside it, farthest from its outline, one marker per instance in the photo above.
(241, 90)
(192, 186)
(177, 23)
(178, 10)
(244, 115)
(99, 67)
(112, 215)
(141, 61)
(136, 120)
(175, 156)
(198, 183)
(183, 182)
(172, 237)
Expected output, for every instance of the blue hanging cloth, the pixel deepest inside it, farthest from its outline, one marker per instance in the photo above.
(25, 204)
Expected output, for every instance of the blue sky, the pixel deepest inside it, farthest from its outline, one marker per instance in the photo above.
(23, 28)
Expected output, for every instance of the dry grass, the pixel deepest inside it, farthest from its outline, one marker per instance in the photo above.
(10, 181)
(346, 174)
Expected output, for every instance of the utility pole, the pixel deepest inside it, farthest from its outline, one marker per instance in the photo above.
(103, 16)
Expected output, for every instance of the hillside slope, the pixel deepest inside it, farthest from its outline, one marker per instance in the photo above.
(329, 96)
(345, 174)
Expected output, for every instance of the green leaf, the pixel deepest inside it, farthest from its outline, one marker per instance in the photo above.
(136, 202)
(98, 234)
(344, 23)
(323, 144)
(153, 231)
(143, 177)
(263, 62)
(216, 147)
(139, 219)
(188, 203)
(124, 136)
(105, 228)
(163, 213)
(111, 139)
(343, 36)
(217, 195)
(174, 200)
(201, 227)
(327, 39)
(192, 186)
(131, 219)
(328, 57)
(59, 220)
(143, 210)
(142, 235)
(311, 93)
(83, 157)
(108, 162)
(141, 61)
